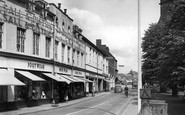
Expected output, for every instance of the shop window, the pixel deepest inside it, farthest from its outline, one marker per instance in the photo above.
(48, 45)
(1, 35)
(20, 93)
(20, 39)
(36, 43)
(3, 93)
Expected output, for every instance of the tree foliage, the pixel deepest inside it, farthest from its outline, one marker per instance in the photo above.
(164, 48)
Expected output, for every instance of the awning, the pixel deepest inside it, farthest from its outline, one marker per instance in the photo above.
(107, 80)
(73, 79)
(30, 75)
(78, 79)
(7, 78)
(57, 78)
(86, 80)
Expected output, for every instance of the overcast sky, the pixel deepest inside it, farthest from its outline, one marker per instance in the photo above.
(115, 22)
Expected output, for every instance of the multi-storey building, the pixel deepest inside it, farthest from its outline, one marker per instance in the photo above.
(112, 63)
(42, 53)
(96, 66)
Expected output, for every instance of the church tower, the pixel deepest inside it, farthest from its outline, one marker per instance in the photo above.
(164, 8)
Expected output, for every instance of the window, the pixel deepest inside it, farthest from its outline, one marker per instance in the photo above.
(48, 45)
(36, 43)
(90, 56)
(82, 59)
(68, 54)
(30, 6)
(1, 35)
(56, 50)
(73, 56)
(63, 25)
(78, 53)
(69, 29)
(63, 48)
(3, 93)
(20, 39)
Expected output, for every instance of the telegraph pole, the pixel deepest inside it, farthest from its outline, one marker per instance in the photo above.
(139, 59)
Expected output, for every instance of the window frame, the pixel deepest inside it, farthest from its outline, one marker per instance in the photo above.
(20, 39)
(36, 43)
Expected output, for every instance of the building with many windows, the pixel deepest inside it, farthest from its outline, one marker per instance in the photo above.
(44, 55)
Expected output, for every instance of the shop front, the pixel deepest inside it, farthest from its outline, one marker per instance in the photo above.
(7, 83)
(33, 92)
(76, 87)
(93, 79)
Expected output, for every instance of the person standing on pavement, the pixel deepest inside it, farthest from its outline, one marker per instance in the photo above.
(126, 91)
(93, 90)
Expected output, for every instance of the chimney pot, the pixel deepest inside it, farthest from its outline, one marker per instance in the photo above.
(59, 5)
(65, 11)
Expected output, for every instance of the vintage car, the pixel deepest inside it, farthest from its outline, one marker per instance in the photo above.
(118, 89)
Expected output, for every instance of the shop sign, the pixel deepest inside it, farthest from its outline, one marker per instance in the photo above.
(35, 65)
(62, 69)
(78, 72)
(26, 20)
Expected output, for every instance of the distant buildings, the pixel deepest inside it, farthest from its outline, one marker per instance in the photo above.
(43, 53)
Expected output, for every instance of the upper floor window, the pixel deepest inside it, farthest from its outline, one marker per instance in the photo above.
(36, 43)
(68, 54)
(73, 56)
(63, 25)
(56, 50)
(20, 39)
(82, 59)
(69, 29)
(48, 45)
(1, 35)
(78, 55)
(63, 48)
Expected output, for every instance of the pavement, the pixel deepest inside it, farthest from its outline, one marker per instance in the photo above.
(21, 111)
(176, 105)
(132, 108)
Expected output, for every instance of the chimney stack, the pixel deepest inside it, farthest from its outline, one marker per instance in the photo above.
(59, 5)
(98, 42)
(65, 11)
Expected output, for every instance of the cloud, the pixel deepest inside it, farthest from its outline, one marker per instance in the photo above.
(121, 40)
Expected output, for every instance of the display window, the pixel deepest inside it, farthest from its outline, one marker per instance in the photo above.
(3, 93)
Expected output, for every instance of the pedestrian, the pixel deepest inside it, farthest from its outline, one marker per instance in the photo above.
(93, 90)
(126, 91)
(55, 99)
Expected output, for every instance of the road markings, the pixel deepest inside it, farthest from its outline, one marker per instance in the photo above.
(73, 113)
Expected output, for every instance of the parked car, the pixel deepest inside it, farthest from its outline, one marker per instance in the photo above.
(118, 89)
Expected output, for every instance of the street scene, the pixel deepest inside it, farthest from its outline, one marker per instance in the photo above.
(105, 103)
(65, 57)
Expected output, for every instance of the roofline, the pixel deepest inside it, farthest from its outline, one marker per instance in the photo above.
(89, 42)
(60, 10)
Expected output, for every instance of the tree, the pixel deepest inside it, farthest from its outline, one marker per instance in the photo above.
(164, 48)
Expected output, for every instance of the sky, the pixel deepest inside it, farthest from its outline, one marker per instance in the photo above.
(115, 22)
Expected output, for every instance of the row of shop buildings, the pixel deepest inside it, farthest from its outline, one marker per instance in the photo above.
(42, 52)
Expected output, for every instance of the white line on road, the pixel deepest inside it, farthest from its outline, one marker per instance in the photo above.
(85, 109)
